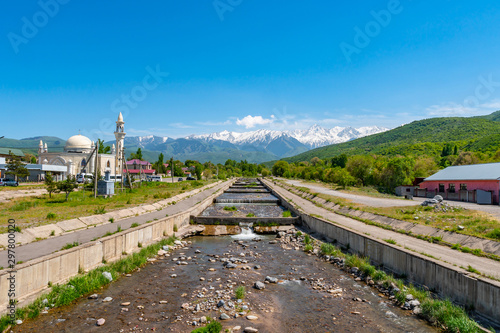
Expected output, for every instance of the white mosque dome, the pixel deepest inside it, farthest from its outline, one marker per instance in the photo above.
(78, 143)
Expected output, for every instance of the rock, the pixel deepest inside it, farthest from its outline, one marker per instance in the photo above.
(108, 299)
(19, 322)
(354, 270)
(93, 296)
(185, 305)
(178, 242)
(250, 317)
(224, 316)
(413, 304)
(250, 330)
(461, 227)
(236, 328)
(417, 310)
(203, 320)
(197, 308)
(166, 248)
(163, 302)
(202, 279)
(221, 303)
(100, 322)
(409, 297)
(259, 285)
(161, 252)
(272, 242)
(197, 251)
(256, 267)
(231, 265)
(271, 279)
(125, 304)
(173, 276)
(438, 198)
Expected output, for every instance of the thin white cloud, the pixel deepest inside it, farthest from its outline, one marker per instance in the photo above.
(251, 121)
(449, 110)
(214, 123)
(180, 125)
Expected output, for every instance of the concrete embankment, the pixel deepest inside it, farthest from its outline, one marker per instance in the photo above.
(32, 278)
(441, 277)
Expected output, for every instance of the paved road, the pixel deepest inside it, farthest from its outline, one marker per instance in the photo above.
(442, 253)
(494, 210)
(50, 245)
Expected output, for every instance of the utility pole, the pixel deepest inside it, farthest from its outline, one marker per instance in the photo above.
(96, 167)
(172, 167)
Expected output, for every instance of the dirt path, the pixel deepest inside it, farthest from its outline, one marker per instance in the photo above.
(6, 195)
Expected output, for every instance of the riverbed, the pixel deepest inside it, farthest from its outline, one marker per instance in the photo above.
(175, 293)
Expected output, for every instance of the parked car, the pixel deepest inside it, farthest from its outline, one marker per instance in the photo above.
(180, 179)
(10, 182)
(190, 178)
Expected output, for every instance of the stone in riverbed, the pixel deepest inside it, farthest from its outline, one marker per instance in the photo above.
(93, 296)
(271, 279)
(259, 285)
(224, 316)
(250, 330)
(250, 317)
(108, 299)
(100, 322)
(125, 304)
(221, 303)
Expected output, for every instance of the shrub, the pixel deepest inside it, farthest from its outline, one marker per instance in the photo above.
(287, 213)
(240, 292)
(308, 248)
(307, 239)
(230, 208)
(213, 327)
(134, 225)
(176, 228)
(51, 216)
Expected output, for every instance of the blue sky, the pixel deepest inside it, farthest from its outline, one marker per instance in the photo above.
(190, 67)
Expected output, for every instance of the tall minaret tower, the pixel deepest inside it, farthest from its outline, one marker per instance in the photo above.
(120, 136)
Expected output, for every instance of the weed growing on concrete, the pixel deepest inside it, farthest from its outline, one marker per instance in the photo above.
(230, 208)
(250, 215)
(70, 245)
(134, 225)
(53, 233)
(176, 228)
(111, 220)
(100, 210)
(287, 213)
(391, 241)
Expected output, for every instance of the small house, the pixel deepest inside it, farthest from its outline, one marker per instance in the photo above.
(479, 183)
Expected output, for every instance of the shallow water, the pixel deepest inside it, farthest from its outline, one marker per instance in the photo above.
(292, 305)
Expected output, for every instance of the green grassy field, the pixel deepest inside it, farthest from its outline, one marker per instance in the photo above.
(39, 210)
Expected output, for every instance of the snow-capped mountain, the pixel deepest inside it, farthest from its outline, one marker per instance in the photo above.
(255, 146)
(313, 137)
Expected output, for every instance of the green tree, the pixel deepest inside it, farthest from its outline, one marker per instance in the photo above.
(344, 178)
(67, 186)
(339, 161)
(102, 148)
(399, 171)
(280, 168)
(159, 165)
(198, 170)
(137, 155)
(265, 172)
(16, 167)
(360, 167)
(50, 184)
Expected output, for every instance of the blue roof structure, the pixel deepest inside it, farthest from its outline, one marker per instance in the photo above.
(487, 171)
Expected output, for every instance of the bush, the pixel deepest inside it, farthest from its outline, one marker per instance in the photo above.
(495, 234)
(240, 292)
(134, 225)
(287, 213)
(51, 216)
(230, 208)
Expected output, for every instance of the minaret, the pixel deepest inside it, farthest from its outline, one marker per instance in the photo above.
(120, 136)
(40, 152)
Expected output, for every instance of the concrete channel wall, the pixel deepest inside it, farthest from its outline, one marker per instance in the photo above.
(32, 278)
(445, 280)
(216, 220)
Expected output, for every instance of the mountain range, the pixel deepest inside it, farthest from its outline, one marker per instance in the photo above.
(254, 146)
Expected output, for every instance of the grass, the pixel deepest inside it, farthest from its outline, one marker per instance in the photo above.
(176, 228)
(287, 213)
(33, 211)
(70, 245)
(329, 249)
(230, 208)
(239, 292)
(212, 327)
(135, 224)
(85, 284)
(51, 216)
(250, 215)
(390, 241)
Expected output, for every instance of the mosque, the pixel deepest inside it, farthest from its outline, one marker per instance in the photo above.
(79, 154)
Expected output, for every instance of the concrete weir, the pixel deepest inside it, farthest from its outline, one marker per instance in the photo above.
(246, 201)
(446, 280)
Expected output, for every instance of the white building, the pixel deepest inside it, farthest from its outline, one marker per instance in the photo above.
(79, 154)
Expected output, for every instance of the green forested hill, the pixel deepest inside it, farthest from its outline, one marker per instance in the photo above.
(420, 137)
